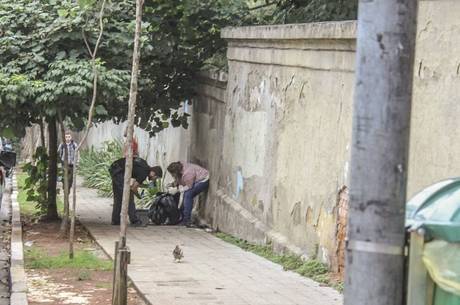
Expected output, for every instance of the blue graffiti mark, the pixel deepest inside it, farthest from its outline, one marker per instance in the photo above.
(186, 107)
(239, 183)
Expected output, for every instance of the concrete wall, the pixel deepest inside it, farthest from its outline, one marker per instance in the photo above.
(435, 132)
(170, 145)
(287, 130)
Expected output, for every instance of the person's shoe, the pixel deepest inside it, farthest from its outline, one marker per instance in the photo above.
(187, 224)
(138, 224)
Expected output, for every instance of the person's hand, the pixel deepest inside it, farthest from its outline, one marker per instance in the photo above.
(172, 190)
(183, 189)
(134, 185)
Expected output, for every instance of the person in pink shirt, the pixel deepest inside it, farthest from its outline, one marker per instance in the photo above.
(191, 179)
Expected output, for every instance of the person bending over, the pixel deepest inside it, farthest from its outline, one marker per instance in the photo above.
(141, 170)
(191, 180)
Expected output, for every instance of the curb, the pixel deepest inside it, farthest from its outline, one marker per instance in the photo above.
(17, 272)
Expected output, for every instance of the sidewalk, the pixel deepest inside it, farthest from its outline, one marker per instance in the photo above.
(212, 272)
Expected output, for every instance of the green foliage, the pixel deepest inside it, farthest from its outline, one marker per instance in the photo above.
(180, 38)
(149, 193)
(301, 11)
(309, 268)
(94, 166)
(36, 183)
(45, 66)
(28, 208)
(37, 258)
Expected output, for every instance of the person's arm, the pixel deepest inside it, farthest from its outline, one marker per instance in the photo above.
(134, 185)
(188, 179)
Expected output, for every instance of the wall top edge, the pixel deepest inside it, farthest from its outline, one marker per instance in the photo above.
(215, 76)
(302, 31)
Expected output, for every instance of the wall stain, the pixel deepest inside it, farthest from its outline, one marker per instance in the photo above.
(295, 213)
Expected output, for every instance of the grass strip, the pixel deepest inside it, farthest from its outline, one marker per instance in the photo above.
(36, 258)
(311, 268)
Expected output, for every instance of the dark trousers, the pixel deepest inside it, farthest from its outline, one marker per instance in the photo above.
(197, 188)
(117, 186)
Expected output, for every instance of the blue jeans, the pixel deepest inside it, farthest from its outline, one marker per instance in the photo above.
(197, 188)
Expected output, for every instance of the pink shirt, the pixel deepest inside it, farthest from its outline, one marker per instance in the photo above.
(192, 173)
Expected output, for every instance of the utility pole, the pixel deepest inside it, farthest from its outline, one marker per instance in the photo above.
(122, 253)
(381, 120)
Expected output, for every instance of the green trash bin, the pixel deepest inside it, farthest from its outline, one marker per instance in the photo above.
(433, 220)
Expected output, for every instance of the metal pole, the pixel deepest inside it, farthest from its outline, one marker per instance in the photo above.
(381, 120)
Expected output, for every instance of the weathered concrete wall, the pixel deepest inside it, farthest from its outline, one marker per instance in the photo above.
(287, 129)
(435, 132)
(207, 135)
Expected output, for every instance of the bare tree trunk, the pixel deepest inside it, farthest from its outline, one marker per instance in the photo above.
(42, 134)
(65, 218)
(120, 277)
(51, 210)
(131, 114)
(381, 121)
(93, 54)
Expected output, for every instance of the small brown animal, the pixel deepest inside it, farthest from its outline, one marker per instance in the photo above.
(178, 254)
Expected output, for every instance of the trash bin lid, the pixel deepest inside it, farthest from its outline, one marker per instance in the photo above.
(437, 210)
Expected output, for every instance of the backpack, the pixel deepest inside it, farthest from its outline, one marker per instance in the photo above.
(164, 210)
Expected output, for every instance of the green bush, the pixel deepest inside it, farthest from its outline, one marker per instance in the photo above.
(35, 185)
(94, 166)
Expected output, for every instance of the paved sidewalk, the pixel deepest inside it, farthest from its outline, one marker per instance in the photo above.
(212, 272)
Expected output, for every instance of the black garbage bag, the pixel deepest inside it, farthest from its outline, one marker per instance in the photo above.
(165, 210)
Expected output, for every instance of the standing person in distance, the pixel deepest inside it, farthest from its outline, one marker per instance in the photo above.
(71, 147)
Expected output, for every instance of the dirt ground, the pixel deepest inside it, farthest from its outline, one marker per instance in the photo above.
(67, 285)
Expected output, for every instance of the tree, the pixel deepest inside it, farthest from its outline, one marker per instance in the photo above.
(42, 48)
(300, 11)
(374, 272)
(178, 39)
